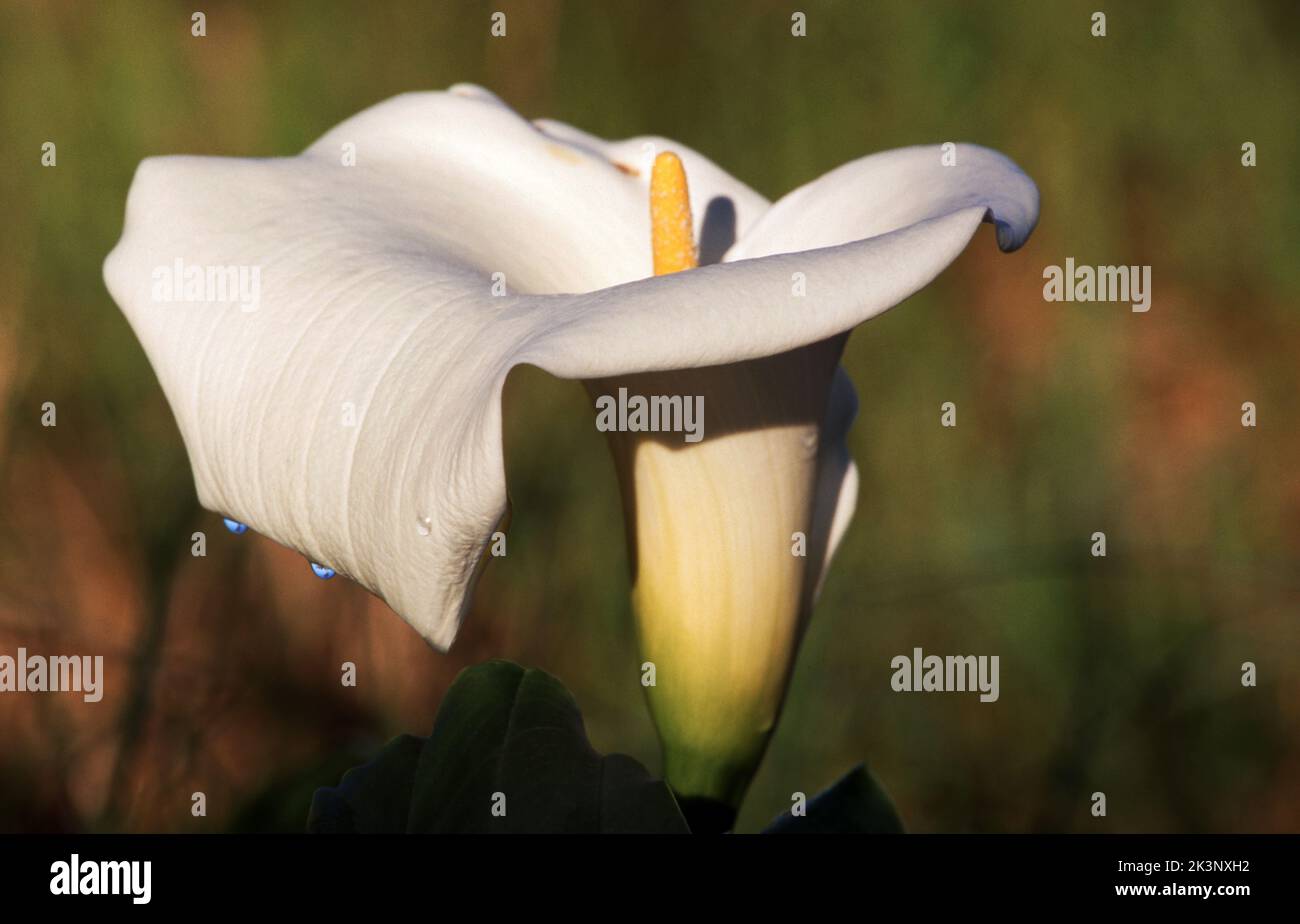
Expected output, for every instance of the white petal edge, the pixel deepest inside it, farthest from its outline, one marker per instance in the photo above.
(882, 192)
(837, 481)
(493, 191)
(744, 309)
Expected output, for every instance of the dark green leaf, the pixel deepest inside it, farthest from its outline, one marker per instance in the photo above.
(370, 799)
(508, 753)
(854, 805)
(512, 738)
(632, 801)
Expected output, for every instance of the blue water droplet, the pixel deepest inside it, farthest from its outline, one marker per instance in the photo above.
(235, 526)
(324, 572)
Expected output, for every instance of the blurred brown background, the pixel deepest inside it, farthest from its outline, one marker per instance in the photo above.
(1119, 674)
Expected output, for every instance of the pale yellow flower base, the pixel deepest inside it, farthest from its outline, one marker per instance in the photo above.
(719, 595)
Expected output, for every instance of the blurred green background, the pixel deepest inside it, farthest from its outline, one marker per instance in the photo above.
(1119, 675)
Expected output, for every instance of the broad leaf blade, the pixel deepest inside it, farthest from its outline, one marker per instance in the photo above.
(508, 753)
(372, 798)
(513, 732)
(634, 802)
(855, 805)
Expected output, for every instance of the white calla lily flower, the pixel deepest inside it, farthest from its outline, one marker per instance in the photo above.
(380, 289)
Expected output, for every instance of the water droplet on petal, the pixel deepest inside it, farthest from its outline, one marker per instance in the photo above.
(234, 526)
(424, 526)
(324, 572)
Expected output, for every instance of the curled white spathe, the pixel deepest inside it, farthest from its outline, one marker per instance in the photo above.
(377, 293)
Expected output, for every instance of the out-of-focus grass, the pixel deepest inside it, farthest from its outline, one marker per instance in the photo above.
(1119, 675)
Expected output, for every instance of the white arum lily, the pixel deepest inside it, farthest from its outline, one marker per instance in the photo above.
(380, 291)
